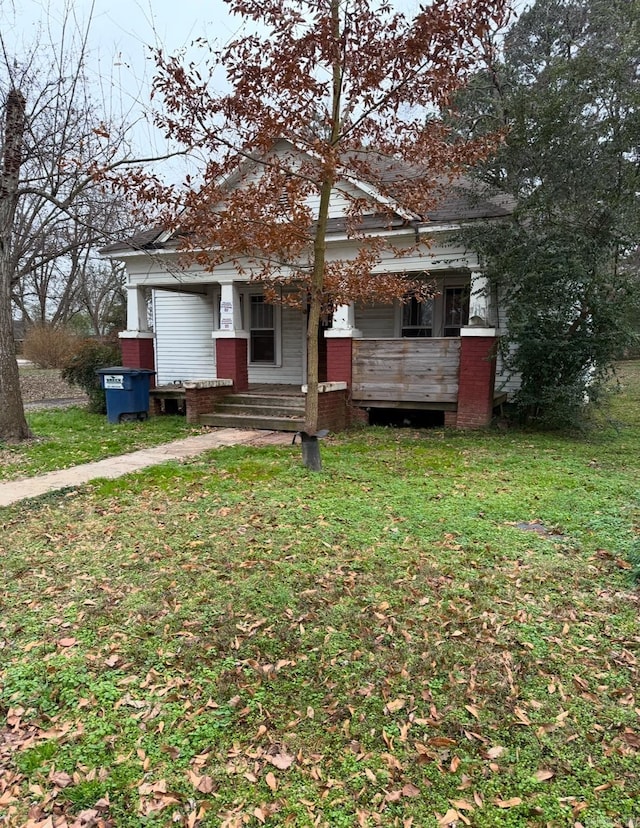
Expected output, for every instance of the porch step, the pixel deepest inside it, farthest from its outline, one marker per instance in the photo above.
(281, 400)
(275, 412)
(258, 409)
(269, 423)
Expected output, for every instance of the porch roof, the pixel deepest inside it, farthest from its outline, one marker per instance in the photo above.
(460, 203)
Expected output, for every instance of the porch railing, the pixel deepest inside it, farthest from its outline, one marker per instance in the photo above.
(406, 370)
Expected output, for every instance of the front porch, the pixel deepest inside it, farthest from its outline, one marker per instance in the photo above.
(455, 375)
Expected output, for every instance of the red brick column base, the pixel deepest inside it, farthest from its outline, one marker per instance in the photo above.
(357, 416)
(201, 397)
(450, 419)
(476, 381)
(339, 360)
(138, 353)
(332, 410)
(231, 362)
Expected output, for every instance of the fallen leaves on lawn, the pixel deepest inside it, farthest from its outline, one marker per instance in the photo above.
(508, 803)
(67, 642)
(204, 784)
(281, 760)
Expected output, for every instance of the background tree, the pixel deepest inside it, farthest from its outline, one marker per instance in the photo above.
(358, 88)
(567, 92)
(12, 420)
(56, 145)
(102, 297)
(59, 275)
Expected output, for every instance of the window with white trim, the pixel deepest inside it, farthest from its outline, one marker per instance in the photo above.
(262, 331)
(456, 310)
(417, 317)
(442, 315)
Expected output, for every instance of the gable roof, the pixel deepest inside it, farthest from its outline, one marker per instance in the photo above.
(460, 198)
(460, 201)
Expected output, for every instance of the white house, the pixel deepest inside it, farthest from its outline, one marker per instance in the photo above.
(214, 329)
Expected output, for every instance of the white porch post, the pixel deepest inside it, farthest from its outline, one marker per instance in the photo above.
(137, 321)
(343, 323)
(340, 344)
(136, 343)
(231, 339)
(230, 312)
(479, 301)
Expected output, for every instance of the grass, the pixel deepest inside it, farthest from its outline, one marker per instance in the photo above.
(71, 436)
(235, 641)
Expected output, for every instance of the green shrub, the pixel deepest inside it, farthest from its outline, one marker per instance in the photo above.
(49, 347)
(81, 369)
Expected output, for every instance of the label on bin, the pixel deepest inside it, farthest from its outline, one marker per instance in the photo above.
(113, 381)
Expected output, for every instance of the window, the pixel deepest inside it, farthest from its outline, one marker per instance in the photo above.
(417, 318)
(443, 315)
(456, 310)
(262, 331)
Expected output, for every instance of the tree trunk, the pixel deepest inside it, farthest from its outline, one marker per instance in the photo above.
(311, 457)
(13, 424)
(311, 452)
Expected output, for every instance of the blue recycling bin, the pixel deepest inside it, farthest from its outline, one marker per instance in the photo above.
(126, 391)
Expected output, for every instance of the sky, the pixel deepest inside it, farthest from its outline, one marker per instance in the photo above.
(120, 33)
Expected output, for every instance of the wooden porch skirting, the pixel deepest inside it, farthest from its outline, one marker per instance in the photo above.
(406, 373)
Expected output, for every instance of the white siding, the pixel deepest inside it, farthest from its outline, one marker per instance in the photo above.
(505, 380)
(376, 321)
(340, 201)
(183, 325)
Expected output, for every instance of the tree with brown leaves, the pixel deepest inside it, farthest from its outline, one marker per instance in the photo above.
(358, 89)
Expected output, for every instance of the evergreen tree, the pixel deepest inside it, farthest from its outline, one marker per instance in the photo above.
(566, 90)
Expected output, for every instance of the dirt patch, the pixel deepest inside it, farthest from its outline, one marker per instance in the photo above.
(539, 528)
(44, 384)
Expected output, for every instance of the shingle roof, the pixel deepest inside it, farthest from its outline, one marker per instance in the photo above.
(461, 201)
(143, 240)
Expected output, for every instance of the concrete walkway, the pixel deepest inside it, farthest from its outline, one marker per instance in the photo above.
(13, 491)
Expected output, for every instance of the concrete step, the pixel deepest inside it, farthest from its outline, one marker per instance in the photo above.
(249, 398)
(270, 423)
(257, 409)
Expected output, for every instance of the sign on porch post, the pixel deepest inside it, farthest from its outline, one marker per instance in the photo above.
(229, 308)
(339, 344)
(479, 306)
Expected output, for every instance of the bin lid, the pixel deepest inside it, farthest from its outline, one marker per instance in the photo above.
(121, 369)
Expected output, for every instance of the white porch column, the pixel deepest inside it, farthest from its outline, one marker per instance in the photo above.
(343, 323)
(479, 301)
(137, 320)
(136, 343)
(230, 313)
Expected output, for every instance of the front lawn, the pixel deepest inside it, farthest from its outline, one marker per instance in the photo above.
(440, 629)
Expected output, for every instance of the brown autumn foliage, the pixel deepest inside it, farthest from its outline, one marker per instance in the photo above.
(357, 88)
